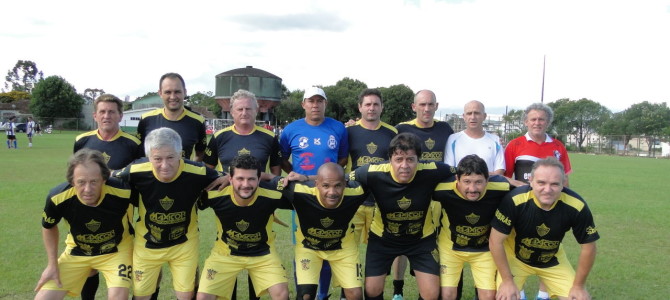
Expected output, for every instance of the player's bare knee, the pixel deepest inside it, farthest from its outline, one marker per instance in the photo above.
(353, 293)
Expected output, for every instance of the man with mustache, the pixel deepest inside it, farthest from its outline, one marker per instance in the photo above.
(469, 201)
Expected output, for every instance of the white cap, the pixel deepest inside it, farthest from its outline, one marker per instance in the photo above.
(313, 91)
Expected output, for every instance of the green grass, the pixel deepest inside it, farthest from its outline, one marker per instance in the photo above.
(628, 196)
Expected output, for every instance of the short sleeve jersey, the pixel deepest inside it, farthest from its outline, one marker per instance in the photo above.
(538, 232)
(324, 228)
(228, 143)
(30, 127)
(403, 207)
(119, 151)
(10, 127)
(466, 225)
(167, 211)
(522, 152)
(245, 230)
(93, 230)
(487, 147)
(309, 146)
(433, 139)
(368, 146)
(190, 126)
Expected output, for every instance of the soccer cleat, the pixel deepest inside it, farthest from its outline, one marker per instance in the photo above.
(397, 297)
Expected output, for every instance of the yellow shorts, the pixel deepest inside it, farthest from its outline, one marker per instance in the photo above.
(73, 270)
(481, 263)
(362, 220)
(558, 279)
(147, 263)
(220, 270)
(344, 263)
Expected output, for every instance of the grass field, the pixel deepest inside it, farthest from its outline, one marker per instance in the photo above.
(628, 197)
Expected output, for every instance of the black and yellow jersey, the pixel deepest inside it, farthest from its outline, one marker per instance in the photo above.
(245, 230)
(167, 211)
(93, 230)
(190, 126)
(466, 225)
(538, 233)
(119, 151)
(403, 207)
(433, 139)
(324, 228)
(227, 143)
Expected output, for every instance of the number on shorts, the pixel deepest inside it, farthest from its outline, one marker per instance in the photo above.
(126, 271)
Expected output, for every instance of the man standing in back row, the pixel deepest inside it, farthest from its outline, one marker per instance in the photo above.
(190, 125)
(433, 135)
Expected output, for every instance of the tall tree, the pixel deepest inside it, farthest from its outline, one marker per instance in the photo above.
(343, 99)
(650, 120)
(54, 97)
(12, 96)
(205, 99)
(579, 118)
(514, 126)
(23, 76)
(91, 94)
(397, 103)
(290, 108)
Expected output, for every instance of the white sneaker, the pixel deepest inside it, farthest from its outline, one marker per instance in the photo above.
(30, 145)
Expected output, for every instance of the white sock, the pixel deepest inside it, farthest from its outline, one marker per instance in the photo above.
(542, 295)
(523, 295)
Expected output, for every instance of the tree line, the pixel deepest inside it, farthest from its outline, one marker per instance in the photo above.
(54, 97)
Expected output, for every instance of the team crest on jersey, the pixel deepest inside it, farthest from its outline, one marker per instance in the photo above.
(138, 275)
(211, 273)
(93, 225)
(106, 157)
(305, 264)
(166, 203)
(472, 218)
(404, 203)
(557, 155)
(443, 269)
(242, 225)
(317, 141)
(372, 148)
(332, 142)
(542, 230)
(326, 222)
(303, 142)
(430, 143)
(244, 151)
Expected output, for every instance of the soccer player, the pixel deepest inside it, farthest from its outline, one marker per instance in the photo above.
(167, 228)
(95, 208)
(245, 239)
(30, 131)
(433, 135)
(243, 137)
(474, 140)
(10, 130)
(369, 138)
(190, 125)
(536, 144)
(540, 214)
(311, 142)
(119, 148)
(325, 210)
(402, 189)
(469, 202)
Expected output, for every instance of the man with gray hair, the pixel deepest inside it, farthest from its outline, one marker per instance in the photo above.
(540, 214)
(167, 228)
(536, 144)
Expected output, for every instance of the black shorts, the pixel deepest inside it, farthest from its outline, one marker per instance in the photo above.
(423, 256)
(11, 137)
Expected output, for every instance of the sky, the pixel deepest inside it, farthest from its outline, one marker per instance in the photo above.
(615, 52)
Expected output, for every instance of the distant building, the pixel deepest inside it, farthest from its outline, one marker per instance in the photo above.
(265, 85)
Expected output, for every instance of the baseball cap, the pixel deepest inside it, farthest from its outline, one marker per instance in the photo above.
(313, 91)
